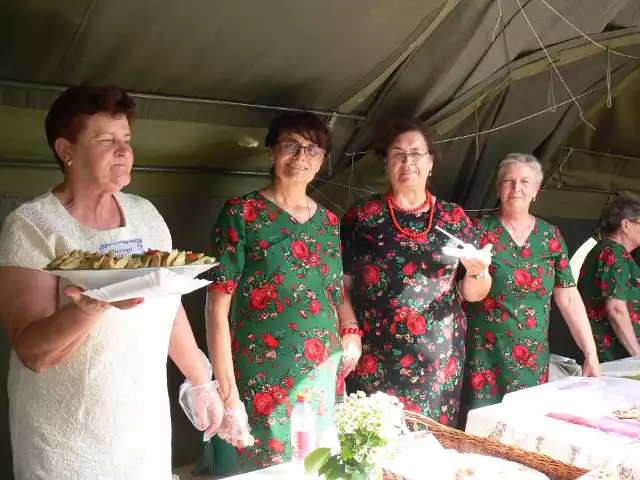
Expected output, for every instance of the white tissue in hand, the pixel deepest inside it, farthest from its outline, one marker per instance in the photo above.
(468, 251)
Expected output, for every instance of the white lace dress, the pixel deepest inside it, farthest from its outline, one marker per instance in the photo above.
(104, 412)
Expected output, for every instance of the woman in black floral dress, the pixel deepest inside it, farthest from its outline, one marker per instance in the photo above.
(405, 292)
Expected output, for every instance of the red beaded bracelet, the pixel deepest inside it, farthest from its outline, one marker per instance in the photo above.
(346, 331)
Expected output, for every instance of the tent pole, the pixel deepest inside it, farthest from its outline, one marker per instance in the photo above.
(602, 154)
(576, 189)
(44, 164)
(184, 99)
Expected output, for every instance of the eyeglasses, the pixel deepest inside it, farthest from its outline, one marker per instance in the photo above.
(400, 155)
(292, 148)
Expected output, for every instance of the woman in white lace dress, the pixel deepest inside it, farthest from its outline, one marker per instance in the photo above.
(87, 380)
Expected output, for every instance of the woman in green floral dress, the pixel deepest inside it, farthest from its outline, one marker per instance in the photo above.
(610, 283)
(271, 321)
(507, 342)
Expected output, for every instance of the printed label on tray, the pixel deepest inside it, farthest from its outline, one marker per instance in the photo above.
(124, 247)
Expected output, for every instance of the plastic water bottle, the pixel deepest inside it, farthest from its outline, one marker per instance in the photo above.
(303, 430)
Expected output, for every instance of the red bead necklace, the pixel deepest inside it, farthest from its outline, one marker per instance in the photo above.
(391, 202)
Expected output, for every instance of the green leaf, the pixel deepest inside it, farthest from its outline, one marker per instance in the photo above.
(359, 475)
(316, 459)
(332, 469)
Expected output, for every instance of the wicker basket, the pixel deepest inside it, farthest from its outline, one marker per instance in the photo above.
(464, 443)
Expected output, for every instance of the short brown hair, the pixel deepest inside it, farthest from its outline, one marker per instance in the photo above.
(389, 131)
(622, 208)
(67, 115)
(305, 124)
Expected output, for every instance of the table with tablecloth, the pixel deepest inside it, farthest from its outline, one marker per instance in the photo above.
(524, 419)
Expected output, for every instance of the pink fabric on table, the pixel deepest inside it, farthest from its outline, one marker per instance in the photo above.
(573, 385)
(604, 424)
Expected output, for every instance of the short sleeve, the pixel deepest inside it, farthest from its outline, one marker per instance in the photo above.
(22, 244)
(470, 231)
(227, 245)
(347, 241)
(564, 275)
(613, 274)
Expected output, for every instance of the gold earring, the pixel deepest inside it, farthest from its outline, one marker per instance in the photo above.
(69, 163)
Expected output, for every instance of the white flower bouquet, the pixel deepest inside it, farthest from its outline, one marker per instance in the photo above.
(368, 430)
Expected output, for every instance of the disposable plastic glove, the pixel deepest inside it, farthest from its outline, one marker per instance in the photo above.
(235, 426)
(203, 406)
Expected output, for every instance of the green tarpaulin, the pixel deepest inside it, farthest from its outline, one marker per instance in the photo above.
(210, 75)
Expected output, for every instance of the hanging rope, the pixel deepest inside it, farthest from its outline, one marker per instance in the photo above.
(477, 134)
(331, 121)
(484, 132)
(371, 192)
(493, 37)
(346, 186)
(553, 64)
(351, 176)
(551, 94)
(609, 99)
(327, 199)
(516, 121)
(584, 34)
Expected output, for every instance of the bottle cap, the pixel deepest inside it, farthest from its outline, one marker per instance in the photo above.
(302, 397)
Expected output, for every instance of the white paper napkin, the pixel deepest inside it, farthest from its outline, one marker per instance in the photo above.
(158, 283)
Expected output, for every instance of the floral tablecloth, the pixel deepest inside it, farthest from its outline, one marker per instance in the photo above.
(574, 444)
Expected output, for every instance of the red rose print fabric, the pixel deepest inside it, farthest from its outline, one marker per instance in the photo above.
(407, 303)
(609, 271)
(507, 341)
(285, 278)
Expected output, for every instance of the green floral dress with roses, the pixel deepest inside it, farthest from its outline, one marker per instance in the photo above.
(609, 271)
(285, 278)
(507, 340)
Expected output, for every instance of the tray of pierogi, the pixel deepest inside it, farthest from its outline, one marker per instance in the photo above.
(110, 278)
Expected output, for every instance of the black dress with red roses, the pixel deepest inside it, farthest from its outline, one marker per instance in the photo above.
(285, 278)
(407, 303)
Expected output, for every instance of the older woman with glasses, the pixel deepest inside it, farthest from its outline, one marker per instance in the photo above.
(271, 321)
(405, 292)
(609, 283)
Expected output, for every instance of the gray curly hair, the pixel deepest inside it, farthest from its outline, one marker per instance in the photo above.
(622, 208)
(521, 159)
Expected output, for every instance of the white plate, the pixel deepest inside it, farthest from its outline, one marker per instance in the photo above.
(490, 468)
(92, 279)
(157, 284)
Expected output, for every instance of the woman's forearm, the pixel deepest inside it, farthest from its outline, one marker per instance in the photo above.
(346, 313)
(184, 350)
(573, 310)
(50, 341)
(475, 289)
(219, 343)
(41, 333)
(618, 314)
